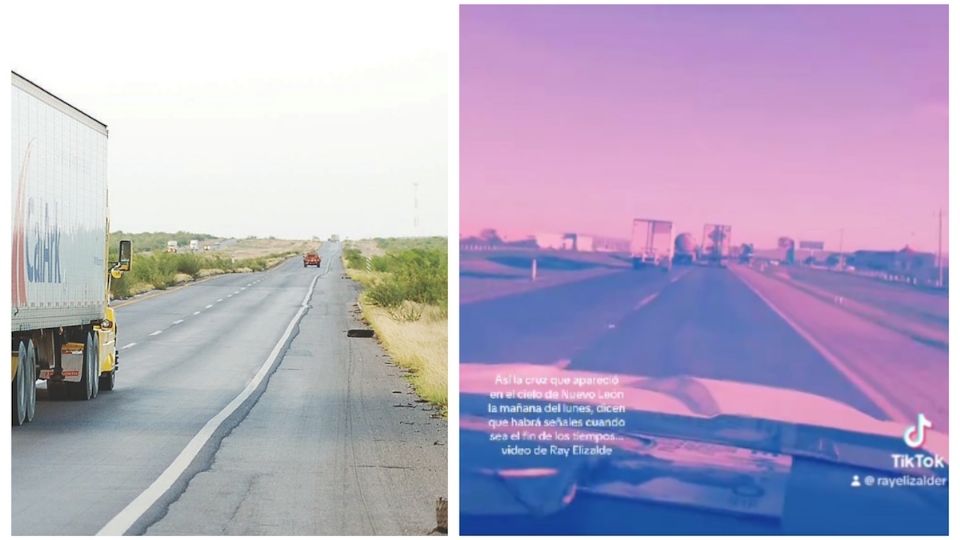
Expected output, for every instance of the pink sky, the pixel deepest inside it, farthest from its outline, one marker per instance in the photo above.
(777, 120)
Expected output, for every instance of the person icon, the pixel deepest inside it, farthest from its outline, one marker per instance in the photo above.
(856, 481)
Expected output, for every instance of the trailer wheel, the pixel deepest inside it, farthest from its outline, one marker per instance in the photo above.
(94, 342)
(30, 380)
(86, 388)
(18, 394)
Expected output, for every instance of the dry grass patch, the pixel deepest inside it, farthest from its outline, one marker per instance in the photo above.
(420, 346)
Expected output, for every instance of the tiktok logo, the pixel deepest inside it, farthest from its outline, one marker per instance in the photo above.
(915, 436)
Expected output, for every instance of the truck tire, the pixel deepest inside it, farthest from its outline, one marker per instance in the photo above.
(108, 380)
(87, 388)
(30, 378)
(17, 391)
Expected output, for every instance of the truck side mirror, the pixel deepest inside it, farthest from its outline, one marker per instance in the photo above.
(123, 265)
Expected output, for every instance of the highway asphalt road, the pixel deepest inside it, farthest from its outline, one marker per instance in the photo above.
(332, 441)
(732, 324)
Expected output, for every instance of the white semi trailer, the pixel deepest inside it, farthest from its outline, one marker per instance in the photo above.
(63, 331)
(651, 243)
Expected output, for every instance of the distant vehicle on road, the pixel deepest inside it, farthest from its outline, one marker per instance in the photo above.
(194, 245)
(172, 246)
(311, 258)
(746, 253)
(652, 243)
(62, 328)
(684, 249)
(715, 246)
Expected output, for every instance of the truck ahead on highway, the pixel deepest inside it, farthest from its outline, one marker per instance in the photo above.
(311, 258)
(715, 245)
(62, 329)
(684, 249)
(651, 243)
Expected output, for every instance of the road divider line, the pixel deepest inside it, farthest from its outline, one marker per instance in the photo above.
(127, 517)
(219, 299)
(128, 345)
(178, 321)
(872, 393)
(208, 306)
(646, 300)
(156, 333)
(196, 312)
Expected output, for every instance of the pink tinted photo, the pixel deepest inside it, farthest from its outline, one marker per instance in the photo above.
(704, 269)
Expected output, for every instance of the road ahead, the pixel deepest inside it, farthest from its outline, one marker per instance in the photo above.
(734, 324)
(332, 441)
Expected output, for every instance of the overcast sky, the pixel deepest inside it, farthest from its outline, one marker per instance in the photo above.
(817, 122)
(256, 120)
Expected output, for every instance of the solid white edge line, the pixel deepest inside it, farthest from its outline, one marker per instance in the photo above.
(873, 394)
(133, 511)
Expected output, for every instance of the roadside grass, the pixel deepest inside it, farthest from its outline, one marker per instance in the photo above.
(405, 302)
(160, 270)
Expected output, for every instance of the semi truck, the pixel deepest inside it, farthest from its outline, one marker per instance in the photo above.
(715, 245)
(684, 249)
(651, 243)
(62, 328)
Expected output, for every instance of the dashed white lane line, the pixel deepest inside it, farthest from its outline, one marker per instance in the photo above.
(208, 306)
(178, 321)
(646, 300)
(128, 345)
(219, 299)
(157, 333)
(237, 291)
(135, 510)
(196, 312)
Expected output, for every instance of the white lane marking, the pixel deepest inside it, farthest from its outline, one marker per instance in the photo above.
(229, 296)
(133, 511)
(219, 299)
(158, 332)
(872, 393)
(646, 300)
(178, 321)
(128, 345)
(208, 306)
(196, 312)
(237, 291)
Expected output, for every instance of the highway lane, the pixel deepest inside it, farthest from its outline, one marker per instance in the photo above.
(80, 463)
(707, 322)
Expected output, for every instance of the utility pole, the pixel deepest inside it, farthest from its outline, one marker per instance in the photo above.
(940, 250)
